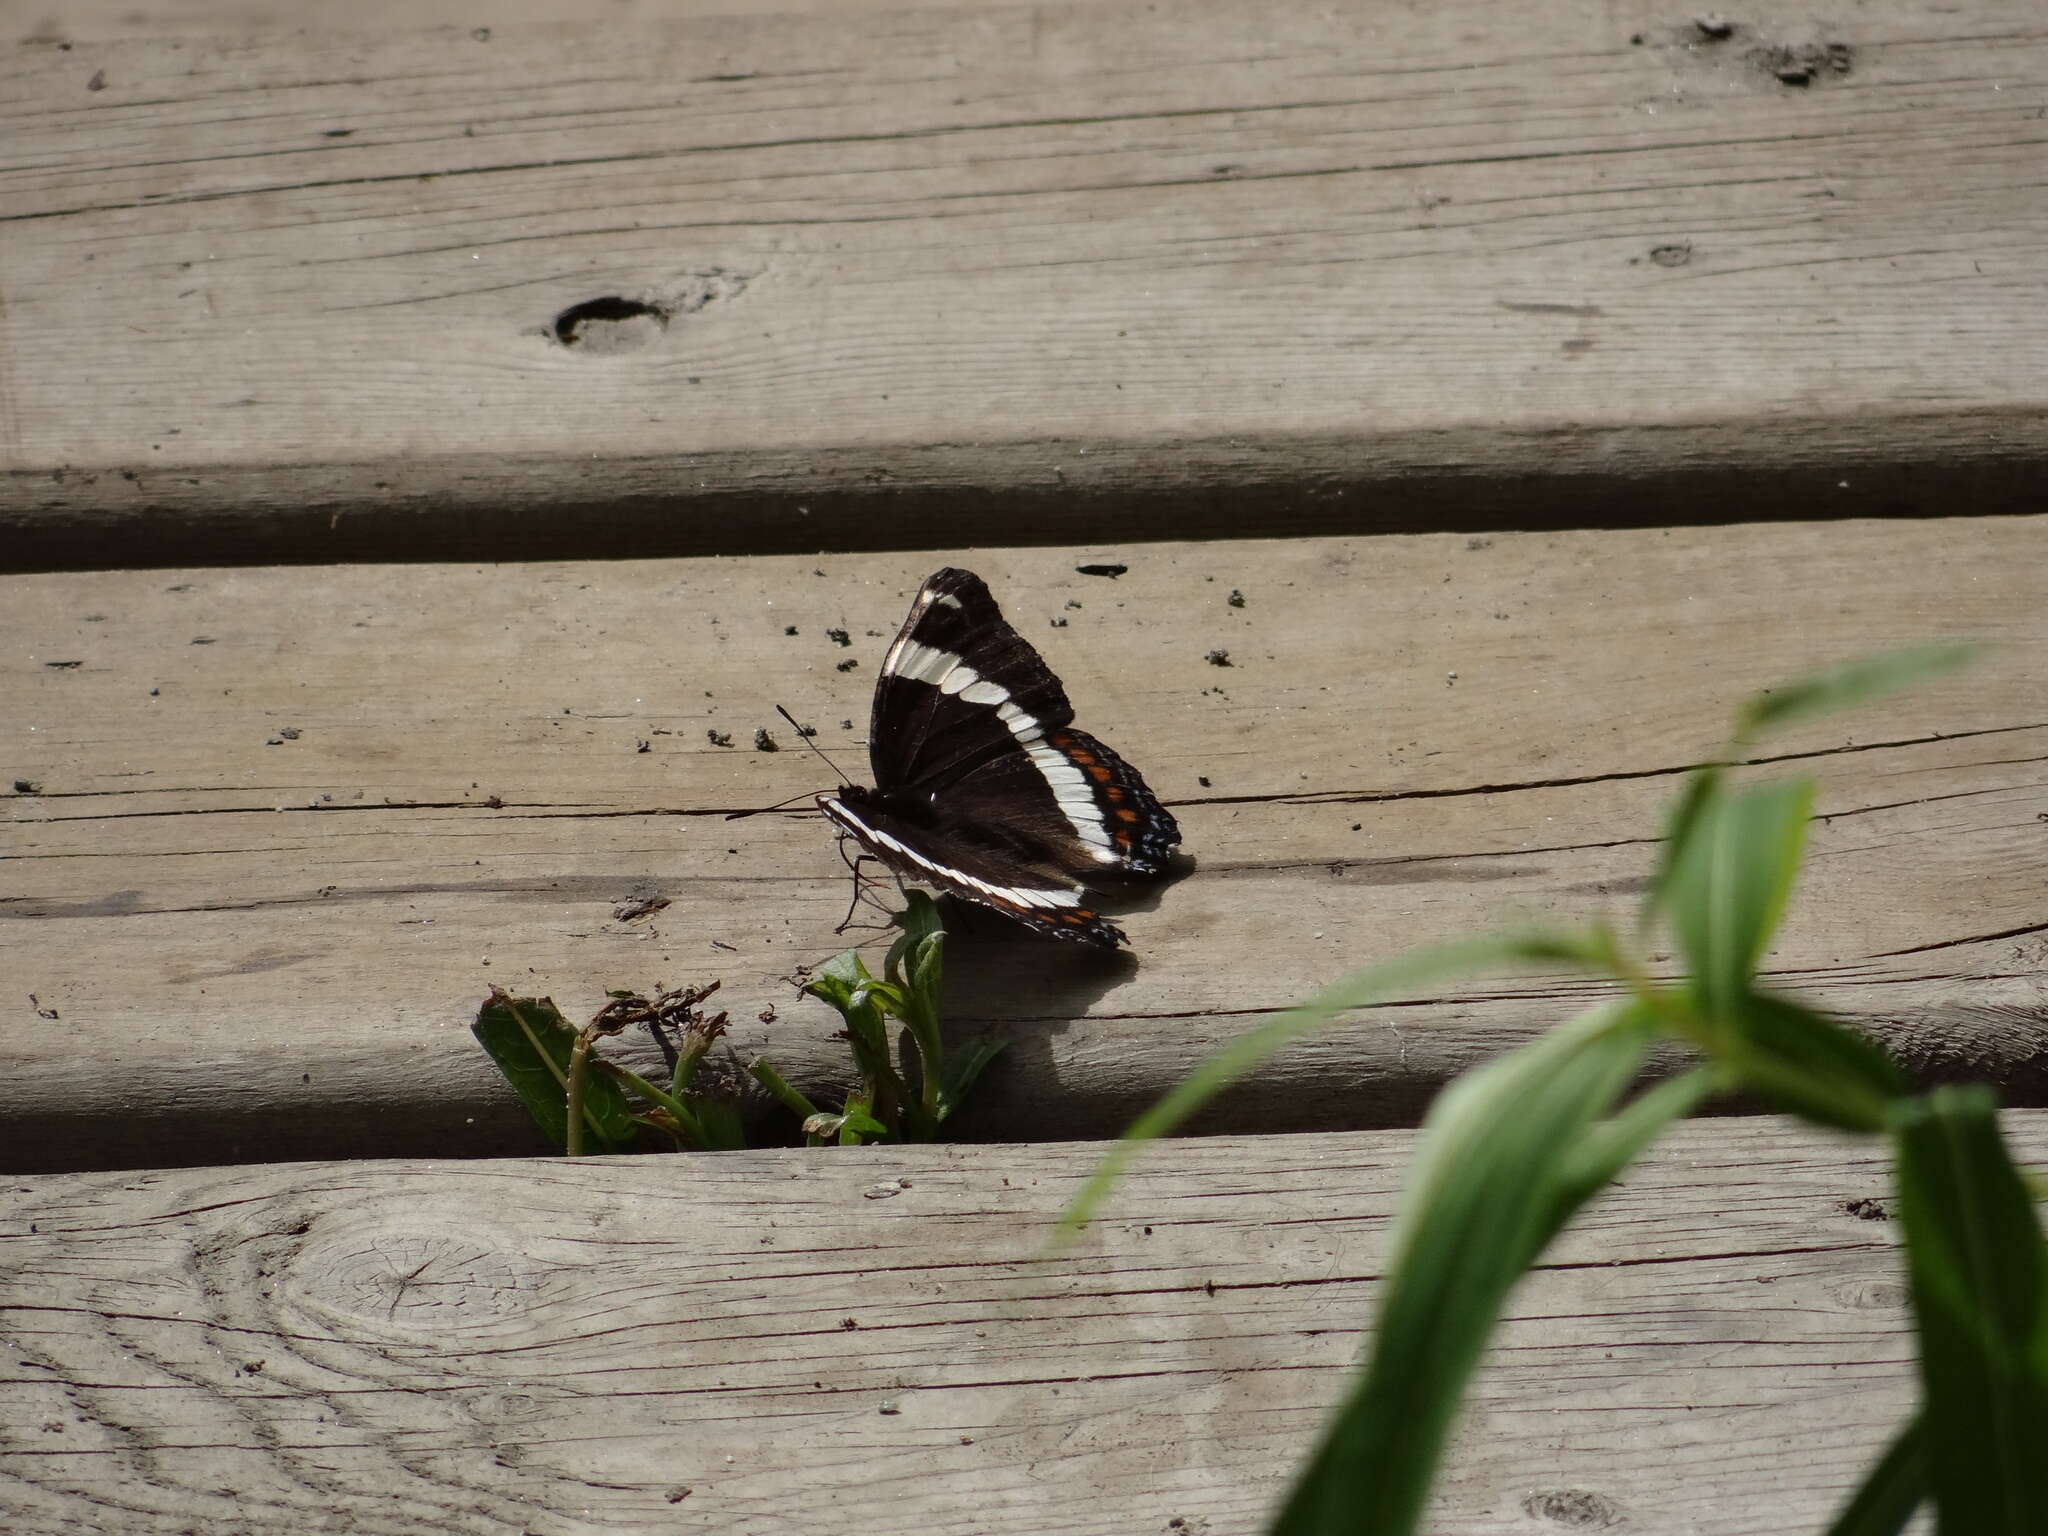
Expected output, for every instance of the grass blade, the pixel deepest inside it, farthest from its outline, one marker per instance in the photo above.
(1894, 1488)
(1608, 1146)
(1852, 683)
(1384, 983)
(1980, 1293)
(1501, 1167)
(1703, 789)
(1729, 887)
(1808, 1065)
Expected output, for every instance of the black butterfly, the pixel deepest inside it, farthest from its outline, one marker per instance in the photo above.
(982, 787)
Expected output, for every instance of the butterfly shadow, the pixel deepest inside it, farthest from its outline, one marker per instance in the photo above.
(998, 975)
(1027, 985)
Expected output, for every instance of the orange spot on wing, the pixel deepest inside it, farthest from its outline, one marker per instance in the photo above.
(1127, 815)
(1098, 773)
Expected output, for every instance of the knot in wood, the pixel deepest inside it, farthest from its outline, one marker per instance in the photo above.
(399, 1278)
(610, 325)
(1580, 1508)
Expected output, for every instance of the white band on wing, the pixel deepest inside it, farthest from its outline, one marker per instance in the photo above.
(1019, 895)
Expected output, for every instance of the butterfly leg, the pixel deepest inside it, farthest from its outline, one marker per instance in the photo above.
(860, 881)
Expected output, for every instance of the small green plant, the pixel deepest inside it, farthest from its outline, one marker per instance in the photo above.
(911, 1100)
(585, 1103)
(1510, 1151)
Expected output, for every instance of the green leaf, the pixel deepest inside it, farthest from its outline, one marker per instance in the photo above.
(916, 966)
(1892, 1490)
(857, 1126)
(530, 1042)
(918, 987)
(1805, 1064)
(1852, 683)
(1608, 1146)
(920, 921)
(1703, 790)
(846, 967)
(1503, 1163)
(845, 982)
(855, 1123)
(963, 1066)
(720, 1127)
(1729, 887)
(1387, 982)
(1979, 1274)
(863, 1002)
(866, 1004)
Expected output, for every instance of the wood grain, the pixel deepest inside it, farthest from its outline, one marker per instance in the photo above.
(1017, 274)
(259, 950)
(880, 1341)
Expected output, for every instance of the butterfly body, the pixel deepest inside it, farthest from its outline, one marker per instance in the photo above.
(982, 785)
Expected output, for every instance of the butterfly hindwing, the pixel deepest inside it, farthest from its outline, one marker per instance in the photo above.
(1142, 833)
(991, 876)
(1071, 802)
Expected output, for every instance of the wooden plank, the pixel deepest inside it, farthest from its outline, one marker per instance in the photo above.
(880, 1341)
(261, 950)
(101, 20)
(1004, 274)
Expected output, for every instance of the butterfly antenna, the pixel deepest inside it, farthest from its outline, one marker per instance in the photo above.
(801, 794)
(762, 810)
(804, 736)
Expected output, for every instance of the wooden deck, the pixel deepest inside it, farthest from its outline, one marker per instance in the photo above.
(423, 451)
(880, 1342)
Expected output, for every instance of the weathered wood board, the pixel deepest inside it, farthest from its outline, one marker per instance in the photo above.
(260, 950)
(99, 20)
(1017, 274)
(880, 1342)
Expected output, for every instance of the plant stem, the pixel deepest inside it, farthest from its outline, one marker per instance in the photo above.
(681, 1112)
(579, 1072)
(775, 1083)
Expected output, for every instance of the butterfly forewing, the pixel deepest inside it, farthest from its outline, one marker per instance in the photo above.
(954, 653)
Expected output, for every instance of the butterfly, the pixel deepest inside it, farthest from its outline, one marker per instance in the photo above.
(983, 788)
